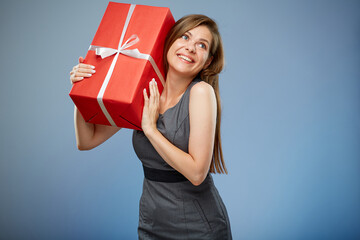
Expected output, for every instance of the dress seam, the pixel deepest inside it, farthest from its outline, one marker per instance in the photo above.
(184, 214)
(182, 122)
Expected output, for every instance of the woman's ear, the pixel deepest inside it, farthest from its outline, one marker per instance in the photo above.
(208, 62)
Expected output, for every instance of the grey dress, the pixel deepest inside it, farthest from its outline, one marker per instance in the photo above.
(178, 210)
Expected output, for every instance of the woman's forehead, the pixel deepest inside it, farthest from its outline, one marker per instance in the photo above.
(201, 32)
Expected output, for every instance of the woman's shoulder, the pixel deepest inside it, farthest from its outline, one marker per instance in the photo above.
(201, 88)
(202, 96)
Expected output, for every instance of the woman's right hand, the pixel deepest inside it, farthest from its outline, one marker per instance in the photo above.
(81, 71)
(88, 135)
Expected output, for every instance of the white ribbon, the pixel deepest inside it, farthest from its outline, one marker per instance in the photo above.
(105, 52)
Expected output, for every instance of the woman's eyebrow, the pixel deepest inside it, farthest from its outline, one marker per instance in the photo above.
(204, 40)
(201, 39)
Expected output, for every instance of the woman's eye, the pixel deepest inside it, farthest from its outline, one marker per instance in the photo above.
(185, 37)
(202, 45)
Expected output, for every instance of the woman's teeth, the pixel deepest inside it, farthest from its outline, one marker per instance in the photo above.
(185, 58)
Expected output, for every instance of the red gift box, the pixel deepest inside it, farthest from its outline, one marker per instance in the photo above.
(127, 52)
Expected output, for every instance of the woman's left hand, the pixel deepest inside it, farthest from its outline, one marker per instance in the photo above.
(151, 108)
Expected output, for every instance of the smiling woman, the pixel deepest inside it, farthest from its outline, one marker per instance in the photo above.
(185, 139)
(180, 143)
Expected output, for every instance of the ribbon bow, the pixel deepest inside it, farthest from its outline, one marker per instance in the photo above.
(105, 52)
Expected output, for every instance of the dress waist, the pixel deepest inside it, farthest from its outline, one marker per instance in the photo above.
(158, 175)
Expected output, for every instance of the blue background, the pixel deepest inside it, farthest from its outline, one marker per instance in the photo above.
(291, 123)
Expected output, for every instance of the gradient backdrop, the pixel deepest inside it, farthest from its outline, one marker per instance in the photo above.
(291, 123)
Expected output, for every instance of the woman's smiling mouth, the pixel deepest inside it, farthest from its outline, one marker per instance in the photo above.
(185, 58)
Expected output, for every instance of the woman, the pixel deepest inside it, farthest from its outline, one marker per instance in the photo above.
(180, 142)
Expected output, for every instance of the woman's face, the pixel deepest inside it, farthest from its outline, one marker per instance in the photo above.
(189, 54)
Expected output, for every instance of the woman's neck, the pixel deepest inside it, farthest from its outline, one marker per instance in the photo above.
(174, 88)
(175, 85)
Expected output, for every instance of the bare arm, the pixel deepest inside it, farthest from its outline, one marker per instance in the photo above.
(202, 110)
(88, 135)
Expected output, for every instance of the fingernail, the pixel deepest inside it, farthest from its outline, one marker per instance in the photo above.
(81, 78)
(151, 82)
(92, 67)
(89, 74)
(93, 71)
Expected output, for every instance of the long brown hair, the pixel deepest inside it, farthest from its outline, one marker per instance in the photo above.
(209, 75)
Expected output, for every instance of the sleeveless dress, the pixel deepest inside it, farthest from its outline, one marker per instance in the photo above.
(177, 210)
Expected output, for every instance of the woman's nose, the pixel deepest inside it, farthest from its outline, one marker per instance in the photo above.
(190, 46)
